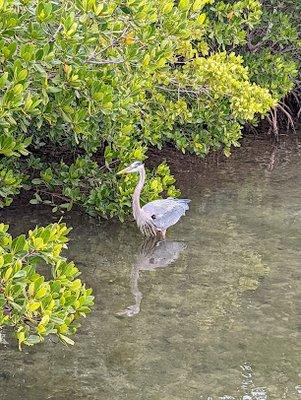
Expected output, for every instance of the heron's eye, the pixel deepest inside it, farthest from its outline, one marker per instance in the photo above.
(136, 164)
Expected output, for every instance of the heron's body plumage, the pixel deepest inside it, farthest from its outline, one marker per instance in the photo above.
(166, 212)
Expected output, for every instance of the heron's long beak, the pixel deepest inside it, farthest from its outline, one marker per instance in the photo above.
(126, 170)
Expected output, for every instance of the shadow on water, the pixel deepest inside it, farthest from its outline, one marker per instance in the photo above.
(215, 308)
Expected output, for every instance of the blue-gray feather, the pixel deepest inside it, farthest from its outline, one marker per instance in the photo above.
(166, 212)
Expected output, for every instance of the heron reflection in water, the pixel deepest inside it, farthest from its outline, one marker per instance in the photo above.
(152, 254)
(154, 218)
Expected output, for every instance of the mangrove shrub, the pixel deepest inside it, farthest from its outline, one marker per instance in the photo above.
(34, 306)
(88, 85)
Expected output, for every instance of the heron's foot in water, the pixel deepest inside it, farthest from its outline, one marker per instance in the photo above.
(130, 311)
(162, 234)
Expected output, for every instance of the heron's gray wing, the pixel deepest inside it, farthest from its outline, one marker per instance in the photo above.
(166, 212)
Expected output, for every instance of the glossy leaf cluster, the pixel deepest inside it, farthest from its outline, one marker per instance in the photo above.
(34, 306)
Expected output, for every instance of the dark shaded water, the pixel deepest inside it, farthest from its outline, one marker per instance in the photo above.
(212, 314)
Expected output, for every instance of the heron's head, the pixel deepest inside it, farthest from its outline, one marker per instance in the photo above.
(136, 166)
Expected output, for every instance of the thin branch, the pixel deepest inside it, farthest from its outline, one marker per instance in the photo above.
(105, 62)
(297, 99)
(59, 196)
(29, 254)
(185, 91)
(289, 117)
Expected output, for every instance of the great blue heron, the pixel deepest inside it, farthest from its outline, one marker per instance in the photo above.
(155, 217)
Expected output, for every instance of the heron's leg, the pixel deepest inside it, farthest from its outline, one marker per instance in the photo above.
(163, 233)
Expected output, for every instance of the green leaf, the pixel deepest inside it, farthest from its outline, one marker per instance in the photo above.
(32, 340)
(66, 339)
(2, 300)
(167, 8)
(36, 181)
(3, 80)
(22, 74)
(34, 306)
(201, 18)
(184, 5)
(27, 51)
(41, 292)
(20, 274)
(198, 4)
(34, 201)
(8, 273)
(18, 244)
(18, 89)
(76, 285)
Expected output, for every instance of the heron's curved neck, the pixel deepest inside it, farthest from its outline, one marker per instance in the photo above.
(137, 193)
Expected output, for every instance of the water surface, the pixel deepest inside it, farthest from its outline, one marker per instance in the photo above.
(212, 314)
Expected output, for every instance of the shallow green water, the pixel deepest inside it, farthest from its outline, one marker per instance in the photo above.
(212, 314)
